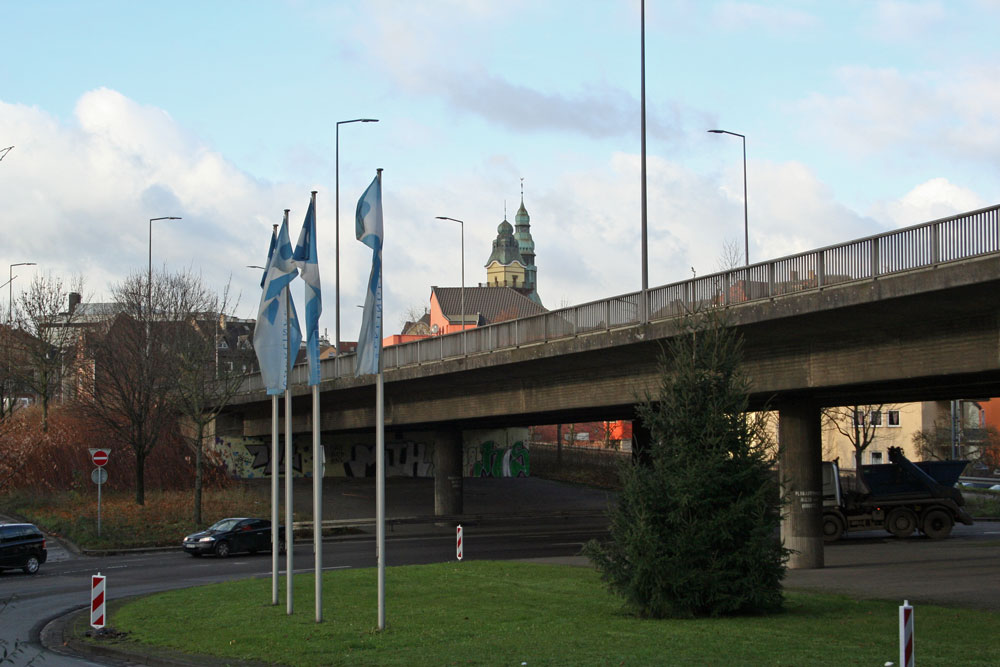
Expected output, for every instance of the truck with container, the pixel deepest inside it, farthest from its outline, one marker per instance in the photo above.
(900, 496)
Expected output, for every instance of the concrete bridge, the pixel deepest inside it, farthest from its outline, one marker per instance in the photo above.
(907, 315)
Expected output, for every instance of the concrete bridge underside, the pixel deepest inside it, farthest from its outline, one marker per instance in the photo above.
(921, 335)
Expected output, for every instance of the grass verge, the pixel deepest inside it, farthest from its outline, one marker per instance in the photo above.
(164, 519)
(510, 613)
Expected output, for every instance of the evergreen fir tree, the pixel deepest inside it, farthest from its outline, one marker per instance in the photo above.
(695, 530)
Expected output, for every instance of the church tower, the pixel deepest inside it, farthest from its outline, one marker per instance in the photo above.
(512, 262)
(505, 267)
(526, 246)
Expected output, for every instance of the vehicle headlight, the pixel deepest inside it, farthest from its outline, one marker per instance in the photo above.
(207, 539)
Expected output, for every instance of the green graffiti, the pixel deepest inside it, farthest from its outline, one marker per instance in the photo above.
(495, 461)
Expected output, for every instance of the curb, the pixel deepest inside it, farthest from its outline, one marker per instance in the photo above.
(56, 636)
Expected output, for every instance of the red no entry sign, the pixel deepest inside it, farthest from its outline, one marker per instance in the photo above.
(99, 456)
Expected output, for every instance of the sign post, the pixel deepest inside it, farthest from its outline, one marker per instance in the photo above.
(97, 601)
(100, 476)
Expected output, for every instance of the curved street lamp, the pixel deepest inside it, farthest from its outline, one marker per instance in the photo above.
(746, 233)
(10, 286)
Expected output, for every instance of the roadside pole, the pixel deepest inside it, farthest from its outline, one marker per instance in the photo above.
(99, 456)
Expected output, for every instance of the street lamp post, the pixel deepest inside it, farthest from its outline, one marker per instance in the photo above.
(465, 349)
(10, 291)
(642, 159)
(746, 232)
(336, 228)
(149, 272)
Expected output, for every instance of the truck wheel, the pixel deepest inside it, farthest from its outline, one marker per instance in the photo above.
(901, 522)
(937, 524)
(833, 527)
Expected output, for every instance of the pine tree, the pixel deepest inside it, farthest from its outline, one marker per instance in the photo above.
(695, 530)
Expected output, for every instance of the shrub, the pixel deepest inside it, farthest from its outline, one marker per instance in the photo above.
(695, 530)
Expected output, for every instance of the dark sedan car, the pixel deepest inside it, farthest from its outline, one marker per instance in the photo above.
(228, 536)
(22, 545)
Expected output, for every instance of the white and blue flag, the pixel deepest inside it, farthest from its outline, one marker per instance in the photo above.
(276, 337)
(306, 259)
(368, 229)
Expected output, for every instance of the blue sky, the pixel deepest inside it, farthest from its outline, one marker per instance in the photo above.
(859, 116)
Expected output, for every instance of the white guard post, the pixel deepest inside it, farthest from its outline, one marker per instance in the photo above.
(97, 601)
(458, 542)
(906, 635)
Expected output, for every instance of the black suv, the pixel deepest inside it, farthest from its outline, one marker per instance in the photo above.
(21, 545)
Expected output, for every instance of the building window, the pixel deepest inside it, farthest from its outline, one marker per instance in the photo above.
(876, 417)
(894, 418)
(859, 418)
(876, 458)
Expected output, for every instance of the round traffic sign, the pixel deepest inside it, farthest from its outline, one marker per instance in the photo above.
(99, 475)
(99, 457)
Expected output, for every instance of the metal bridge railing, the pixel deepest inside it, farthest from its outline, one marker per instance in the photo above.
(940, 241)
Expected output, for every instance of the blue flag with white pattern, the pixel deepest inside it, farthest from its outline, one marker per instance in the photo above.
(306, 258)
(368, 229)
(276, 336)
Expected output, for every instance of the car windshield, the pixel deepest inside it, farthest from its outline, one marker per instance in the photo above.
(224, 524)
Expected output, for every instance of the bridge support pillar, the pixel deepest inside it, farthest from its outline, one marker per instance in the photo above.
(800, 467)
(448, 473)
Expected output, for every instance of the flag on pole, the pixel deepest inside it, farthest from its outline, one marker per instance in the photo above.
(276, 337)
(368, 229)
(306, 258)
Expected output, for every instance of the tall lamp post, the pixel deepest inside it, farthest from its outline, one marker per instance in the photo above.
(336, 229)
(746, 232)
(642, 160)
(465, 349)
(10, 291)
(149, 278)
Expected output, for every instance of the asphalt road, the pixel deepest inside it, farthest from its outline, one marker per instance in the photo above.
(962, 570)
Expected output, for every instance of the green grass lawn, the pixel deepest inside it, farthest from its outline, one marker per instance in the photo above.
(510, 613)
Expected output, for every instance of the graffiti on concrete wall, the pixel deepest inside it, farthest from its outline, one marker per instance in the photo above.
(249, 458)
(489, 460)
(403, 458)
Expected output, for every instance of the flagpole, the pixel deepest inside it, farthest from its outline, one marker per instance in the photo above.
(317, 488)
(289, 535)
(380, 460)
(275, 471)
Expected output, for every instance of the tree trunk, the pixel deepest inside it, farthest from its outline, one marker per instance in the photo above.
(140, 483)
(198, 450)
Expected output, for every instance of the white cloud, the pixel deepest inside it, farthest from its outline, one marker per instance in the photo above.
(928, 113)
(905, 20)
(78, 198)
(752, 16)
(937, 198)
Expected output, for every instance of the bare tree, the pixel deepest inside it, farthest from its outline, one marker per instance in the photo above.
(859, 424)
(136, 366)
(45, 340)
(205, 382)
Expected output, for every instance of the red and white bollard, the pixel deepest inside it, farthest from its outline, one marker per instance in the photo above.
(906, 635)
(458, 542)
(97, 601)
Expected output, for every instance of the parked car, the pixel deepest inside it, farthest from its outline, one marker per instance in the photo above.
(228, 536)
(22, 545)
